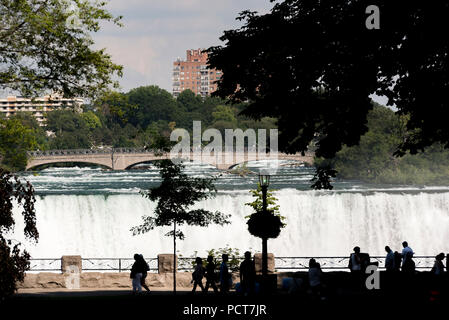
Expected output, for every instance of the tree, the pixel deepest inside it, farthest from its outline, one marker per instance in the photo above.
(115, 107)
(13, 261)
(176, 194)
(70, 128)
(153, 104)
(15, 141)
(372, 160)
(46, 45)
(29, 121)
(318, 83)
(257, 204)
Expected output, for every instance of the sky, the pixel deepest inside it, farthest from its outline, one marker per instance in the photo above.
(157, 32)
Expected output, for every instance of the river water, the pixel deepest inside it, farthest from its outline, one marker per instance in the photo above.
(90, 212)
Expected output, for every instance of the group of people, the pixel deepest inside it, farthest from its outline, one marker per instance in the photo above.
(224, 276)
(358, 262)
(140, 269)
(394, 261)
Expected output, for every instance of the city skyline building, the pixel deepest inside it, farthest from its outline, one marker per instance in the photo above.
(194, 74)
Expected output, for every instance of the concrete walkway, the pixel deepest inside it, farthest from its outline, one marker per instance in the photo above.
(90, 292)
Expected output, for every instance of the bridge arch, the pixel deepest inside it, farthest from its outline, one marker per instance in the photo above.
(38, 166)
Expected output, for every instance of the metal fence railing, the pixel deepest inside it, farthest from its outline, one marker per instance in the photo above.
(422, 263)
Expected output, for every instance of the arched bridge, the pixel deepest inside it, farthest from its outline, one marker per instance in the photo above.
(125, 158)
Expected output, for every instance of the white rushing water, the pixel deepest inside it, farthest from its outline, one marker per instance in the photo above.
(318, 224)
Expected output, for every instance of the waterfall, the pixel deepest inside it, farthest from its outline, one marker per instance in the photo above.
(318, 224)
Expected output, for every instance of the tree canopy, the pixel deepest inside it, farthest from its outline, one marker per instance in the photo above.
(47, 45)
(313, 65)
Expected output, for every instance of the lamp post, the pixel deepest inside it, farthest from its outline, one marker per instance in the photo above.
(264, 181)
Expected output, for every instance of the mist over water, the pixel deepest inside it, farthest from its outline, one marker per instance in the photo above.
(90, 212)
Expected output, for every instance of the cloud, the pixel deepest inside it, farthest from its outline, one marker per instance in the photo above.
(156, 32)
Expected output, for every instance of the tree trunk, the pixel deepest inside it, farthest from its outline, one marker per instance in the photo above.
(174, 257)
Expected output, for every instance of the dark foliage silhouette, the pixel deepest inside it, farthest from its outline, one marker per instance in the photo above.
(13, 261)
(313, 65)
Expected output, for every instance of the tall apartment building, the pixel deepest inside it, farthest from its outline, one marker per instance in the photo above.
(39, 106)
(194, 74)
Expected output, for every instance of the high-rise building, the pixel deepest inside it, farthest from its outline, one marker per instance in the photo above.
(39, 106)
(194, 74)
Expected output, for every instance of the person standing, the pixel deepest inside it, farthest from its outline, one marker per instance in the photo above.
(225, 276)
(408, 266)
(315, 277)
(397, 261)
(355, 265)
(407, 250)
(389, 259)
(210, 275)
(248, 274)
(438, 267)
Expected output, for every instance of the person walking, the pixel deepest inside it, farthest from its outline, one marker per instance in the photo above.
(225, 276)
(197, 275)
(145, 269)
(137, 271)
(248, 275)
(210, 275)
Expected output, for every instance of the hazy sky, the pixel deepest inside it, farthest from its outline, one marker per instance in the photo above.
(156, 32)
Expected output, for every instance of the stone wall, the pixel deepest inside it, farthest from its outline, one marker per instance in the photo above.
(105, 280)
(71, 267)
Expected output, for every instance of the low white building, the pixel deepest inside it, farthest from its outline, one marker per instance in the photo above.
(38, 106)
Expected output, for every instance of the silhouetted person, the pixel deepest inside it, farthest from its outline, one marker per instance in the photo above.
(137, 271)
(406, 250)
(438, 267)
(408, 266)
(145, 269)
(355, 265)
(225, 276)
(197, 275)
(210, 274)
(315, 277)
(364, 261)
(437, 276)
(397, 261)
(389, 260)
(248, 274)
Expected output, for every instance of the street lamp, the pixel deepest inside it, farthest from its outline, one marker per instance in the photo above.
(264, 181)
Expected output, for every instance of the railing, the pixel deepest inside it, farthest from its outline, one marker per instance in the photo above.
(121, 150)
(341, 263)
(422, 263)
(90, 151)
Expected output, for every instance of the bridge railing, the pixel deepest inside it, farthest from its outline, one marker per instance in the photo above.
(423, 263)
(105, 151)
(90, 151)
